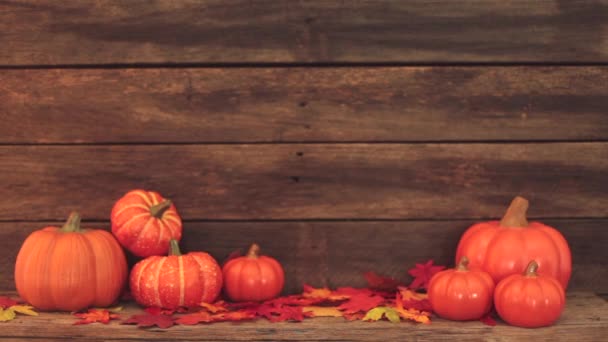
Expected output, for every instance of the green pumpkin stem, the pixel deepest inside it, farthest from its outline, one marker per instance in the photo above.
(72, 224)
(254, 251)
(174, 248)
(516, 213)
(531, 269)
(463, 264)
(159, 209)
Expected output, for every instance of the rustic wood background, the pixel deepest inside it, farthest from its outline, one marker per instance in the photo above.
(343, 136)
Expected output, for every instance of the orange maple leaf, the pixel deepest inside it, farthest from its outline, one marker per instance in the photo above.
(216, 307)
(322, 311)
(411, 313)
(322, 293)
(95, 316)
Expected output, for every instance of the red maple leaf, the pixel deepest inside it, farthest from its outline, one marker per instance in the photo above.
(422, 274)
(95, 316)
(378, 282)
(153, 310)
(6, 302)
(194, 318)
(488, 320)
(148, 320)
(282, 313)
(361, 303)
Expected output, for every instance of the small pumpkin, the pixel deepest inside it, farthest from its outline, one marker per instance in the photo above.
(176, 280)
(144, 222)
(70, 268)
(253, 277)
(461, 294)
(505, 248)
(529, 300)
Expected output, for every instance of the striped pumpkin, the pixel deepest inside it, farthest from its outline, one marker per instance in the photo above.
(144, 222)
(176, 280)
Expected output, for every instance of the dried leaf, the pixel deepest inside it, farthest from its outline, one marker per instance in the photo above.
(414, 300)
(378, 282)
(24, 310)
(321, 311)
(6, 302)
(376, 314)
(218, 306)
(153, 310)
(361, 302)
(148, 320)
(233, 316)
(95, 316)
(194, 318)
(411, 313)
(322, 293)
(280, 313)
(422, 274)
(7, 315)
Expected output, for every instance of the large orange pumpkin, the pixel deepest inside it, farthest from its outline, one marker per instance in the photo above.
(70, 268)
(506, 247)
(176, 280)
(144, 222)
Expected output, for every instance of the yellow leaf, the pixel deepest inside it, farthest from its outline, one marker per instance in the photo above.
(24, 310)
(6, 315)
(323, 311)
(115, 309)
(414, 315)
(376, 314)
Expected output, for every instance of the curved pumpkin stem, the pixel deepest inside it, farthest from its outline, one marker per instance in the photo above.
(72, 224)
(516, 213)
(159, 209)
(254, 251)
(531, 269)
(174, 248)
(463, 264)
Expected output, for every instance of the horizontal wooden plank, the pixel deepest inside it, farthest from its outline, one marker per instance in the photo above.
(582, 320)
(304, 104)
(309, 181)
(337, 254)
(106, 32)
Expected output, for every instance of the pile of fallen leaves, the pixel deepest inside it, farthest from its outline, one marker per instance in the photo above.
(384, 298)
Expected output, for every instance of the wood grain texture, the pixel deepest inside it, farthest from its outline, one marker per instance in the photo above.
(240, 31)
(337, 253)
(304, 104)
(309, 181)
(582, 320)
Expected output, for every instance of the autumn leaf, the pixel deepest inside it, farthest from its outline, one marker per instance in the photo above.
(376, 314)
(234, 316)
(422, 274)
(153, 310)
(6, 315)
(218, 306)
(6, 302)
(321, 311)
(95, 316)
(414, 300)
(378, 282)
(280, 313)
(411, 313)
(24, 310)
(322, 293)
(148, 320)
(194, 318)
(488, 320)
(361, 302)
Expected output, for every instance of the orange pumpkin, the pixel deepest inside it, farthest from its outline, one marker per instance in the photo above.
(176, 280)
(253, 277)
(504, 248)
(70, 268)
(144, 222)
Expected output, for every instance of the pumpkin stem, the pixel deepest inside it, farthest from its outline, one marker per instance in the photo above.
(254, 251)
(462, 264)
(531, 269)
(516, 213)
(174, 248)
(72, 224)
(159, 209)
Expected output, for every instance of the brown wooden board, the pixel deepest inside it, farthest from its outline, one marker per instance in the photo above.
(308, 181)
(36, 32)
(582, 320)
(337, 253)
(304, 104)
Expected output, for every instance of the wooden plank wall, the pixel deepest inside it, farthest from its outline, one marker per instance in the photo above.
(342, 136)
